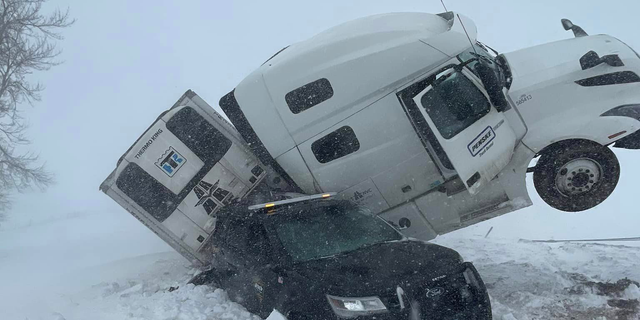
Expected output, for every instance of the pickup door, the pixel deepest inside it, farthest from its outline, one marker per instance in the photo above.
(477, 139)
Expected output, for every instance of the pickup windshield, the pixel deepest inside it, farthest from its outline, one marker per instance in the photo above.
(330, 230)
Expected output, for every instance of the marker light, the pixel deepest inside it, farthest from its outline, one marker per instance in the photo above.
(291, 201)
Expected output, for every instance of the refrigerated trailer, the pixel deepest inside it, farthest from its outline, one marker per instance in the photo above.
(406, 114)
(188, 165)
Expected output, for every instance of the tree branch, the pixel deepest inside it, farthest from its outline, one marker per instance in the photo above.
(27, 45)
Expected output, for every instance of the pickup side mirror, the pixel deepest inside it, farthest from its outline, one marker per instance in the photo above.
(493, 87)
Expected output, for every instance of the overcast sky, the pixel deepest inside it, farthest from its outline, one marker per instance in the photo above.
(127, 61)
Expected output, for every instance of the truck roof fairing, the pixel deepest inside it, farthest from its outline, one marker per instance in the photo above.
(383, 30)
(401, 46)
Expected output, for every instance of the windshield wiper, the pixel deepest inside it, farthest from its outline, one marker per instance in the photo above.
(368, 245)
(486, 46)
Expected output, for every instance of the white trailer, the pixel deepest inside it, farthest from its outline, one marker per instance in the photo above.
(408, 115)
(182, 171)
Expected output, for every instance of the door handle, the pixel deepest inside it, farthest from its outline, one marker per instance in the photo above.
(404, 223)
(474, 178)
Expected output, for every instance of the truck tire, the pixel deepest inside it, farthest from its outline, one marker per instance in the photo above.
(576, 175)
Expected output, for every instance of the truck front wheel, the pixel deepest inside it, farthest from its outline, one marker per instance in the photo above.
(576, 175)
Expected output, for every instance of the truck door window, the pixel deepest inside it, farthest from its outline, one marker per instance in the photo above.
(335, 145)
(454, 103)
(199, 135)
(146, 191)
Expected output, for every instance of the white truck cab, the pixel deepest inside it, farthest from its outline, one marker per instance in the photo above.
(388, 109)
(409, 115)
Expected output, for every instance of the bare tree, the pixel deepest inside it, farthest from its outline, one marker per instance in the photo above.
(27, 45)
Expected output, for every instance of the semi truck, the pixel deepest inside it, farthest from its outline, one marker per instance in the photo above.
(406, 114)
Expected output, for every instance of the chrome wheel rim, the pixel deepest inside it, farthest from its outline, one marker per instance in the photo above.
(578, 176)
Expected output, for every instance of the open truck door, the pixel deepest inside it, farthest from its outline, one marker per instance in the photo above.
(476, 137)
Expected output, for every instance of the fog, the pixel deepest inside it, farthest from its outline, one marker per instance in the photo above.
(127, 61)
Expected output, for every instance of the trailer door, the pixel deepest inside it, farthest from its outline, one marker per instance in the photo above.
(475, 136)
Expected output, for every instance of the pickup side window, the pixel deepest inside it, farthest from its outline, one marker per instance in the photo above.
(146, 191)
(335, 145)
(454, 103)
(247, 242)
(258, 245)
(199, 135)
(309, 95)
(236, 236)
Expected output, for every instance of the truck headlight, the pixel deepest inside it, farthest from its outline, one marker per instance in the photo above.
(353, 307)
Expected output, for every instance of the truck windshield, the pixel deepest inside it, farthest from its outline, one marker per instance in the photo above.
(330, 230)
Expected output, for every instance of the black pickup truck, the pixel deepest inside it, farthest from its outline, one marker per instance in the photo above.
(330, 259)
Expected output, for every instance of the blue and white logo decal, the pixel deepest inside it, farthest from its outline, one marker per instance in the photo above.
(170, 162)
(481, 141)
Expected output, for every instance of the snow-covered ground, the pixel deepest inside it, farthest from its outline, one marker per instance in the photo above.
(530, 281)
(61, 269)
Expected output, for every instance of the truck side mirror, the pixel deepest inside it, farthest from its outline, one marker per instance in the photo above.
(566, 24)
(577, 31)
(493, 87)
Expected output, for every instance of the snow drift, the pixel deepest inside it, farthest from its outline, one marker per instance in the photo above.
(52, 271)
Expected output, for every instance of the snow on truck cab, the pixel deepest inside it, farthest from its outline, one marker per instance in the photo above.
(406, 114)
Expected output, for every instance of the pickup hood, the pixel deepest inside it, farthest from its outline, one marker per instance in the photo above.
(549, 63)
(379, 268)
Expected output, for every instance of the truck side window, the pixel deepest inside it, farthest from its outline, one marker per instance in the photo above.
(199, 135)
(309, 95)
(335, 145)
(454, 104)
(146, 191)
